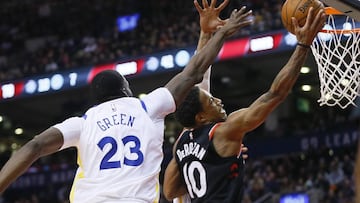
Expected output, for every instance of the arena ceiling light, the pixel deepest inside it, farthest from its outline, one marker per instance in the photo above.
(306, 88)
(18, 131)
(304, 70)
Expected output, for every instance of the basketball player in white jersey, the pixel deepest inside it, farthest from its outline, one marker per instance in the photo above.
(119, 141)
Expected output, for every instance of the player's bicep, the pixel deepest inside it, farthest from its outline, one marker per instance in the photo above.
(50, 141)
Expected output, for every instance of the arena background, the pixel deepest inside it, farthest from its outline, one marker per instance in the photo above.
(303, 151)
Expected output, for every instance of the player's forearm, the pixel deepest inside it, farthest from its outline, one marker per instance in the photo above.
(205, 83)
(173, 186)
(194, 71)
(287, 77)
(203, 40)
(18, 164)
(208, 54)
(211, 50)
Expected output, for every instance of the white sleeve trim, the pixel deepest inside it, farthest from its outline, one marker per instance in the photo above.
(71, 130)
(159, 103)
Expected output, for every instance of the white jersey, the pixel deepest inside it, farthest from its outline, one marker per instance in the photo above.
(119, 146)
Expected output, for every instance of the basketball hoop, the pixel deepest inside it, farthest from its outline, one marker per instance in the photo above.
(337, 53)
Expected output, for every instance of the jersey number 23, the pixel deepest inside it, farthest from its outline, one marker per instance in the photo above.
(107, 164)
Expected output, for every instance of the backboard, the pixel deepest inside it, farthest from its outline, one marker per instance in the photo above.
(348, 7)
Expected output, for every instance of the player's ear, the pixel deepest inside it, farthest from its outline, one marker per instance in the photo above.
(200, 118)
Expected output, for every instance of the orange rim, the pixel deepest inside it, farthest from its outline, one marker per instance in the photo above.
(333, 11)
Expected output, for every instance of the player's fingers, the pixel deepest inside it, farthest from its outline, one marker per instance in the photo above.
(233, 13)
(244, 149)
(247, 14)
(295, 23)
(245, 156)
(320, 19)
(205, 3)
(242, 10)
(223, 5)
(213, 3)
(310, 16)
(245, 23)
(197, 6)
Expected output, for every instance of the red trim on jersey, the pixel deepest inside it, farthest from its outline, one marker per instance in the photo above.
(182, 133)
(212, 131)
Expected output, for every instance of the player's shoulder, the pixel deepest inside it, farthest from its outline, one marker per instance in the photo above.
(159, 102)
(161, 92)
(121, 101)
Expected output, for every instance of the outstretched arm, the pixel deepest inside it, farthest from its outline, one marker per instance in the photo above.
(193, 73)
(244, 120)
(205, 83)
(43, 144)
(209, 23)
(173, 184)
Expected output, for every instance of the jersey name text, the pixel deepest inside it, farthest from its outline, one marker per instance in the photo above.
(191, 148)
(114, 120)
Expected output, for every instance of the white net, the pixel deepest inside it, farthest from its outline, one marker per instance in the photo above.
(337, 55)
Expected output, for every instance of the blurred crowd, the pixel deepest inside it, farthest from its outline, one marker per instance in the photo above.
(47, 35)
(325, 175)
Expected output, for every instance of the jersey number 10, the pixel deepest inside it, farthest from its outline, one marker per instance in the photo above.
(189, 176)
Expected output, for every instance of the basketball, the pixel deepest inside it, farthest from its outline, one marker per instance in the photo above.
(299, 10)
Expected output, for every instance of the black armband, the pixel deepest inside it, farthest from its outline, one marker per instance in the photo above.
(303, 45)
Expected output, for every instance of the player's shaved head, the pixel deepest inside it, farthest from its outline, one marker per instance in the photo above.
(109, 84)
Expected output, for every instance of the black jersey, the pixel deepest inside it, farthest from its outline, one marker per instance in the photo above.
(209, 178)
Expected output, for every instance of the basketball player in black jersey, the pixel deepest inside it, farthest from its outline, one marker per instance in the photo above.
(206, 162)
(209, 23)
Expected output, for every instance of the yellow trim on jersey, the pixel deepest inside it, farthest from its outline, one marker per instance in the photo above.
(79, 175)
(79, 162)
(157, 190)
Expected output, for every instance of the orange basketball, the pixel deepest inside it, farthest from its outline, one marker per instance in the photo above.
(299, 10)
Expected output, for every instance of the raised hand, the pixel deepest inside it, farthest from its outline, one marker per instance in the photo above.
(237, 20)
(209, 15)
(314, 23)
